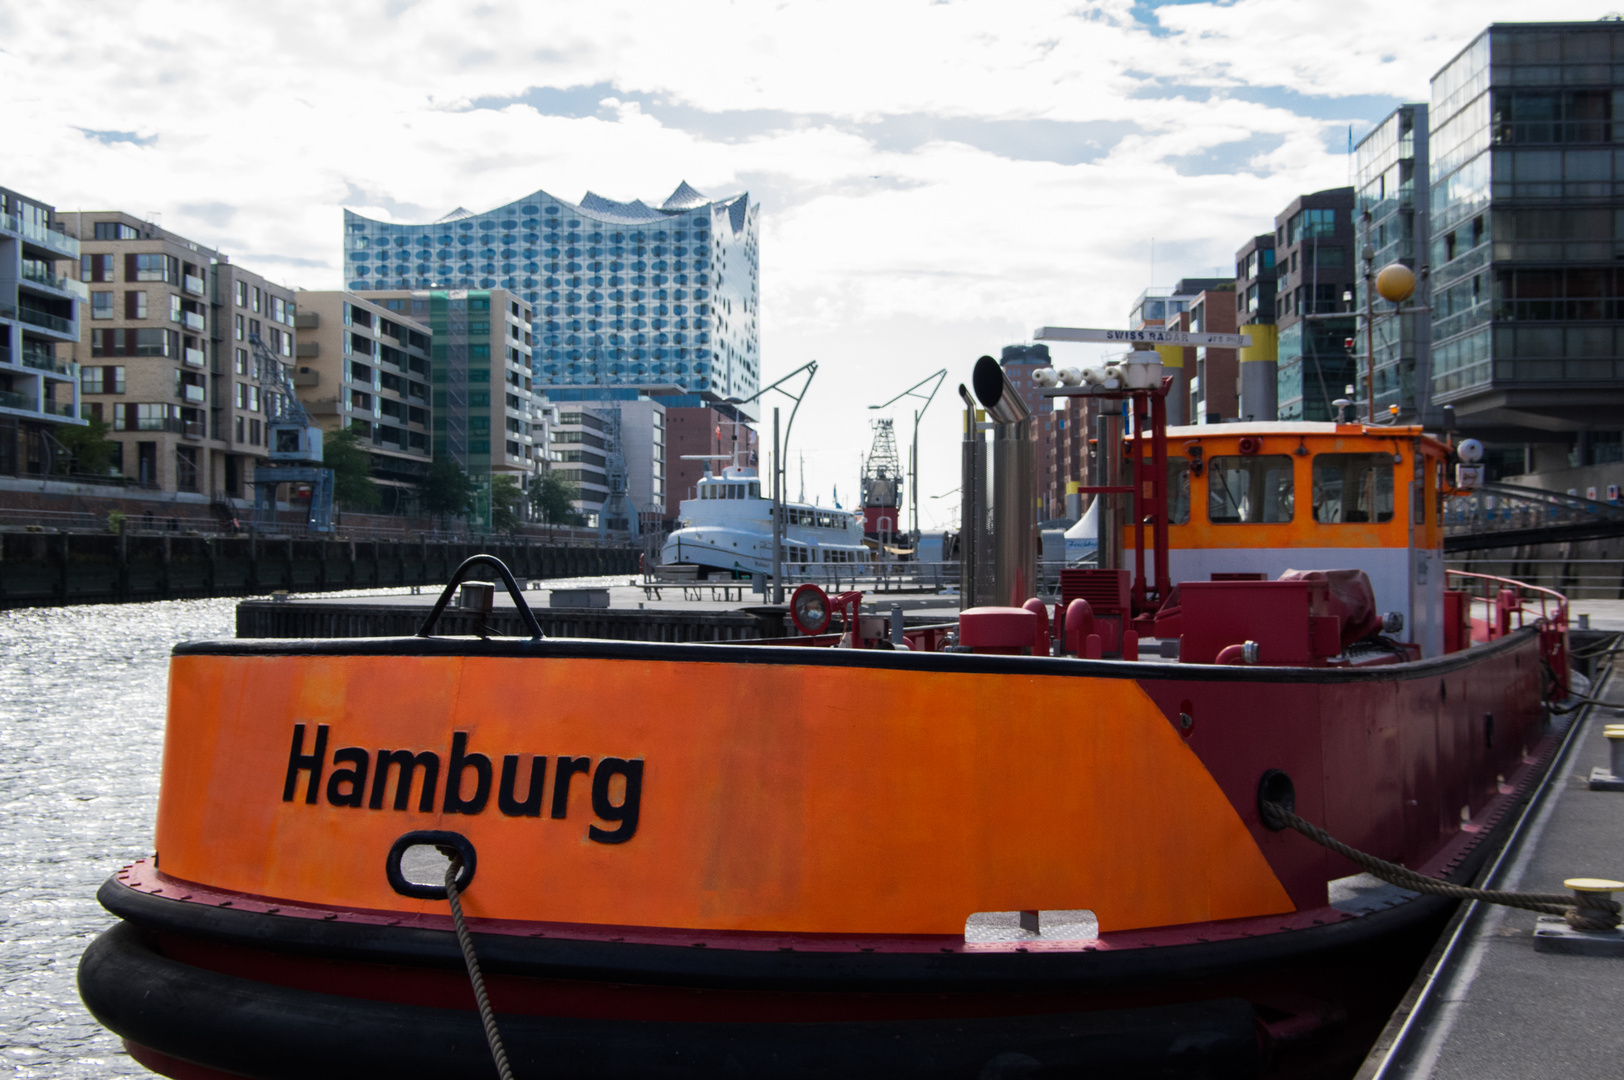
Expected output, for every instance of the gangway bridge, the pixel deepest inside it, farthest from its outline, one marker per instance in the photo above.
(1509, 515)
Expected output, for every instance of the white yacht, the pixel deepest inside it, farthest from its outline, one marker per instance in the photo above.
(728, 527)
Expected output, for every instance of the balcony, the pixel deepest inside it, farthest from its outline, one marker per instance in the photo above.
(52, 239)
(192, 393)
(191, 429)
(36, 274)
(60, 408)
(46, 362)
(192, 320)
(325, 407)
(191, 284)
(44, 320)
(25, 402)
(194, 358)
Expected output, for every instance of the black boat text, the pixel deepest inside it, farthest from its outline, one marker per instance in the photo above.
(347, 784)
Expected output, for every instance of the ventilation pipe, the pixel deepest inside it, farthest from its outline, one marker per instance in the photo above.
(1014, 488)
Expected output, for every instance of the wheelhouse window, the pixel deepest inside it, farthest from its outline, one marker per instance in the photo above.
(1178, 489)
(1250, 490)
(1353, 488)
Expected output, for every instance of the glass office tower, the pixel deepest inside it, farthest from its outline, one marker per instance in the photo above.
(1391, 222)
(623, 294)
(1527, 229)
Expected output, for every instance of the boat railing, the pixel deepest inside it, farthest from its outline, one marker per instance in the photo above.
(1507, 604)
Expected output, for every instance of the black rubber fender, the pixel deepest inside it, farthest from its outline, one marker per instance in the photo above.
(271, 1032)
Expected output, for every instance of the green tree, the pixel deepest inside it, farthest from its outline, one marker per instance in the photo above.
(448, 491)
(90, 450)
(505, 499)
(553, 498)
(353, 487)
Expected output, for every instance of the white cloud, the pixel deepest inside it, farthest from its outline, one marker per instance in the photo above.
(918, 207)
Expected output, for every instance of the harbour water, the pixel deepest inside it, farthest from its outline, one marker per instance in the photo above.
(81, 735)
(82, 702)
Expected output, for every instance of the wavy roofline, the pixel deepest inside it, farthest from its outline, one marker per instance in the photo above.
(728, 207)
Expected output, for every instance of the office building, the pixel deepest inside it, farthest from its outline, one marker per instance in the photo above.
(1256, 364)
(1392, 227)
(167, 359)
(40, 312)
(622, 294)
(1527, 227)
(481, 395)
(1314, 247)
(364, 367)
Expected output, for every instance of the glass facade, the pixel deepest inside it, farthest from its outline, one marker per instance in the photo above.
(623, 294)
(1392, 223)
(1314, 252)
(1527, 202)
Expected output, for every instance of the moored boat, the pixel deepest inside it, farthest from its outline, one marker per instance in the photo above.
(1035, 846)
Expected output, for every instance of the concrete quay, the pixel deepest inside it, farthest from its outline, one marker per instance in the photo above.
(1490, 1003)
(635, 612)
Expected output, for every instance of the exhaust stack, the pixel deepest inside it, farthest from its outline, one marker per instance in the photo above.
(1014, 489)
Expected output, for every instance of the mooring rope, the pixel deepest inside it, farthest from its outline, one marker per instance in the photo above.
(466, 940)
(1583, 911)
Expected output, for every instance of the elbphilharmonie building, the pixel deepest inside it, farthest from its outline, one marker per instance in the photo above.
(624, 294)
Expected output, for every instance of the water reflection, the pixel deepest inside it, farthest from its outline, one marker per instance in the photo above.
(81, 733)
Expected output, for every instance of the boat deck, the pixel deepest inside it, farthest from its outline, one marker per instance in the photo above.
(1500, 1008)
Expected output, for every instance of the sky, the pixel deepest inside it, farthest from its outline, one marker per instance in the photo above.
(937, 178)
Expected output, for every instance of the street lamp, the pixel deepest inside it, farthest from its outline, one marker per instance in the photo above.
(811, 369)
(913, 451)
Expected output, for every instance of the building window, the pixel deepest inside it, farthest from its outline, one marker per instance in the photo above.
(255, 305)
(101, 305)
(152, 268)
(95, 268)
(239, 328)
(186, 468)
(114, 230)
(135, 303)
(101, 380)
(242, 362)
(279, 309)
(242, 295)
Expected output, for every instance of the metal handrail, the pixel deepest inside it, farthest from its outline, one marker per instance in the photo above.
(1519, 587)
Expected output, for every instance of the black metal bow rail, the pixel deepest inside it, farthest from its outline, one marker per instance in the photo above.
(47, 569)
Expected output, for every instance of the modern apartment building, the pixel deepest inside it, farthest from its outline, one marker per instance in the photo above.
(481, 399)
(1391, 223)
(1527, 229)
(622, 294)
(580, 454)
(1258, 363)
(1213, 373)
(624, 431)
(167, 359)
(1158, 308)
(39, 322)
(362, 366)
(1314, 245)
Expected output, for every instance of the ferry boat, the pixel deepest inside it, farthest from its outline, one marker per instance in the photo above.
(727, 528)
(1032, 843)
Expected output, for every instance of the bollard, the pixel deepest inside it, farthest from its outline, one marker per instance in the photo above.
(1612, 777)
(898, 637)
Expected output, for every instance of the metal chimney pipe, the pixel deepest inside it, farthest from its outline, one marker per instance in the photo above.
(1111, 516)
(974, 540)
(1015, 489)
